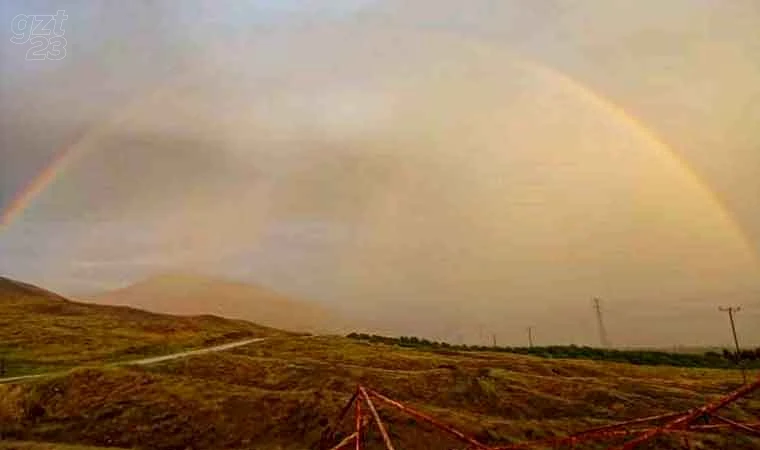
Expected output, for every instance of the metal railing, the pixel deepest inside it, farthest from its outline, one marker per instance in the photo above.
(640, 430)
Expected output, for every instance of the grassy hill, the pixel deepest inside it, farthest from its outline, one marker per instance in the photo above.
(40, 330)
(189, 294)
(281, 393)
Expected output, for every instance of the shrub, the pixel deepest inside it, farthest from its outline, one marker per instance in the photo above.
(709, 359)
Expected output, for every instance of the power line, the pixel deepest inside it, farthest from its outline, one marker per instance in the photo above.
(602, 331)
(731, 310)
(530, 336)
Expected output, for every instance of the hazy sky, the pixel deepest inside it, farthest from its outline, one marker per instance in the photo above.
(444, 166)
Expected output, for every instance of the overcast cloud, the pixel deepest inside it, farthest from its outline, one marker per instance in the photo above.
(464, 161)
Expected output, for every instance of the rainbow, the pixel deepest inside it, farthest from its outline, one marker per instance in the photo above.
(608, 106)
(46, 177)
(26, 195)
(64, 158)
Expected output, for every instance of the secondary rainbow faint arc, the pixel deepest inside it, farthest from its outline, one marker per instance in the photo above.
(64, 157)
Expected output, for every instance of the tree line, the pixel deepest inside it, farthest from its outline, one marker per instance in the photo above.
(718, 360)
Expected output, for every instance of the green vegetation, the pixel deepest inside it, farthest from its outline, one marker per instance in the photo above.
(726, 360)
(41, 331)
(282, 392)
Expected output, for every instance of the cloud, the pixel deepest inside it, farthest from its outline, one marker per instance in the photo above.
(416, 166)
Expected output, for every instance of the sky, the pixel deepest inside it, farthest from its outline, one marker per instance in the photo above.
(454, 169)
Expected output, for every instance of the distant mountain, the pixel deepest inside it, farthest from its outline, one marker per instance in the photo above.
(190, 294)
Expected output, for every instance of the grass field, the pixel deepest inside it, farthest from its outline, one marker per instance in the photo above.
(750, 358)
(41, 331)
(22, 445)
(282, 393)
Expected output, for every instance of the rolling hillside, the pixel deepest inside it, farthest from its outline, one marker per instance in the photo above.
(40, 330)
(185, 294)
(282, 393)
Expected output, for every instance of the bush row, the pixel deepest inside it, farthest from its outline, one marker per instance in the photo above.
(726, 359)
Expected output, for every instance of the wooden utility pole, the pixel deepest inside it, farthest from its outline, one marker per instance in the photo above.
(493, 337)
(602, 331)
(530, 336)
(731, 310)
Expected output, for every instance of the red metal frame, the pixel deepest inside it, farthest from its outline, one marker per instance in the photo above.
(681, 422)
(688, 419)
(358, 424)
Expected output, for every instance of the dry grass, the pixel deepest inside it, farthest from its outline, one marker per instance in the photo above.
(26, 445)
(281, 392)
(41, 331)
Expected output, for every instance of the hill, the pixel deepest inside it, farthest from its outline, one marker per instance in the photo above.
(41, 330)
(282, 393)
(185, 294)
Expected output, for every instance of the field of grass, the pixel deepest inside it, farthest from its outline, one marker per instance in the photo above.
(41, 331)
(750, 359)
(22, 445)
(282, 392)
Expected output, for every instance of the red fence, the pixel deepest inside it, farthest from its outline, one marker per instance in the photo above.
(639, 431)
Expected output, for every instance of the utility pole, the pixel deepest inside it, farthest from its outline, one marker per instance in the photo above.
(731, 310)
(602, 331)
(530, 336)
(493, 336)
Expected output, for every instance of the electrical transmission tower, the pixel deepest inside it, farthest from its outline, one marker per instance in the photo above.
(530, 336)
(731, 310)
(602, 331)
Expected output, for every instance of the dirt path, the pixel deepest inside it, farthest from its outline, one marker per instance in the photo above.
(146, 361)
